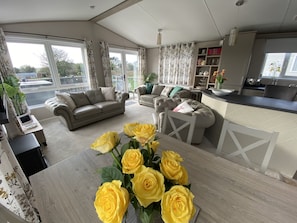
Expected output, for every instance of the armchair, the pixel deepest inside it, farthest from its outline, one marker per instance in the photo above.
(204, 116)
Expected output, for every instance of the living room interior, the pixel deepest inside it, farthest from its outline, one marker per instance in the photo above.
(234, 36)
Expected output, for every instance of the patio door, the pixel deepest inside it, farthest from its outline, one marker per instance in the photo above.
(124, 69)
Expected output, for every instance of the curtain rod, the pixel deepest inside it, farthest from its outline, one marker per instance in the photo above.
(45, 36)
(123, 47)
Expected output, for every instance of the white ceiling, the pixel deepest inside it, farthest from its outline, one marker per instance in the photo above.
(180, 20)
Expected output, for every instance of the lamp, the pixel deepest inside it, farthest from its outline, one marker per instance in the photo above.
(233, 36)
(159, 37)
(234, 31)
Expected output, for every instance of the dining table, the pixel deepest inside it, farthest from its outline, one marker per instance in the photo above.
(225, 192)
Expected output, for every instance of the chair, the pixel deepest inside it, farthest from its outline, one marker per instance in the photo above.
(280, 92)
(179, 125)
(238, 140)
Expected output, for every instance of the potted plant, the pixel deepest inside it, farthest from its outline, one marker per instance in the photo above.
(148, 81)
(149, 78)
(11, 86)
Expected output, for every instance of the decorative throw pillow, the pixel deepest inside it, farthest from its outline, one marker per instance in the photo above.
(174, 91)
(157, 89)
(166, 91)
(95, 96)
(66, 99)
(108, 93)
(193, 103)
(183, 108)
(149, 88)
(80, 99)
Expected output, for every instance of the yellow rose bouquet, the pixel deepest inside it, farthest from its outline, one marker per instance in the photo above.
(152, 184)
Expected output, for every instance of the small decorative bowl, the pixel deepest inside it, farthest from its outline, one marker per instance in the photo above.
(221, 92)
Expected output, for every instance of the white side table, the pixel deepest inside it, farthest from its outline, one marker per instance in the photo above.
(36, 128)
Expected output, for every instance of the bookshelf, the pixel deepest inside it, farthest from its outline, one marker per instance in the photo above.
(208, 61)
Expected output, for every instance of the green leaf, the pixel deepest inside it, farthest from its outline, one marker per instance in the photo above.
(146, 214)
(111, 173)
(124, 148)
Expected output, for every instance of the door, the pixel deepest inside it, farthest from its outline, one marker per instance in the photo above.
(124, 69)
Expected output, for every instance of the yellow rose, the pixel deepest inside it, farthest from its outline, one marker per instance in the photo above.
(145, 133)
(184, 180)
(131, 161)
(106, 142)
(171, 168)
(148, 186)
(111, 202)
(173, 155)
(154, 145)
(129, 129)
(177, 205)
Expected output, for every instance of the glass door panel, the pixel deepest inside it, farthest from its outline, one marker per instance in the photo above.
(117, 72)
(124, 69)
(132, 77)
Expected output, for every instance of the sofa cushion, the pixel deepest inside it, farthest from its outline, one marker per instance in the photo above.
(148, 98)
(108, 106)
(174, 91)
(66, 99)
(157, 89)
(108, 93)
(95, 96)
(80, 99)
(166, 91)
(86, 111)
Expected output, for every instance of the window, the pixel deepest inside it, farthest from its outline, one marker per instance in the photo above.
(44, 66)
(280, 65)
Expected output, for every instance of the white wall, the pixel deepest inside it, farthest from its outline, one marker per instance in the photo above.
(152, 60)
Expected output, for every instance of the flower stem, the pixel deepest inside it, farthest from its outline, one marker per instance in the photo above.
(116, 159)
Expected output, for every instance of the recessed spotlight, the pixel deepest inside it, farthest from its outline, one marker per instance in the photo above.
(92, 6)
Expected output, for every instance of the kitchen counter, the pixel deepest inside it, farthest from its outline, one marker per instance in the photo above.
(256, 101)
(262, 113)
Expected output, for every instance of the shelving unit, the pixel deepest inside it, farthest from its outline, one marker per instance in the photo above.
(208, 61)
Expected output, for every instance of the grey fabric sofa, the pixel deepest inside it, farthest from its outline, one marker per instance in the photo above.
(205, 116)
(80, 109)
(149, 98)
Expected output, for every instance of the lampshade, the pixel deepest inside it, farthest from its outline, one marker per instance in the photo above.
(233, 36)
(159, 37)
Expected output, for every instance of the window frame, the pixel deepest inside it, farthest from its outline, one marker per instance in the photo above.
(48, 43)
(286, 66)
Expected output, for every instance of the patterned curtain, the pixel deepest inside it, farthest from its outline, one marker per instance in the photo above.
(91, 63)
(142, 64)
(15, 191)
(177, 64)
(104, 49)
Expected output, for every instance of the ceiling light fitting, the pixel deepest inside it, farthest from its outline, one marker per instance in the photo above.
(234, 31)
(159, 37)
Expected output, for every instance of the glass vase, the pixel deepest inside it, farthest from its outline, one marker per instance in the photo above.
(156, 217)
(136, 216)
(218, 85)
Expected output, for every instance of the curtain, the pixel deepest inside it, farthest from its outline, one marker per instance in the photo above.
(91, 63)
(142, 64)
(6, 67)
(15, 191)
(177, 64)
(104, 49)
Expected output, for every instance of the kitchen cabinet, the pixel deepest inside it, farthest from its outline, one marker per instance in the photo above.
(208, 61)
